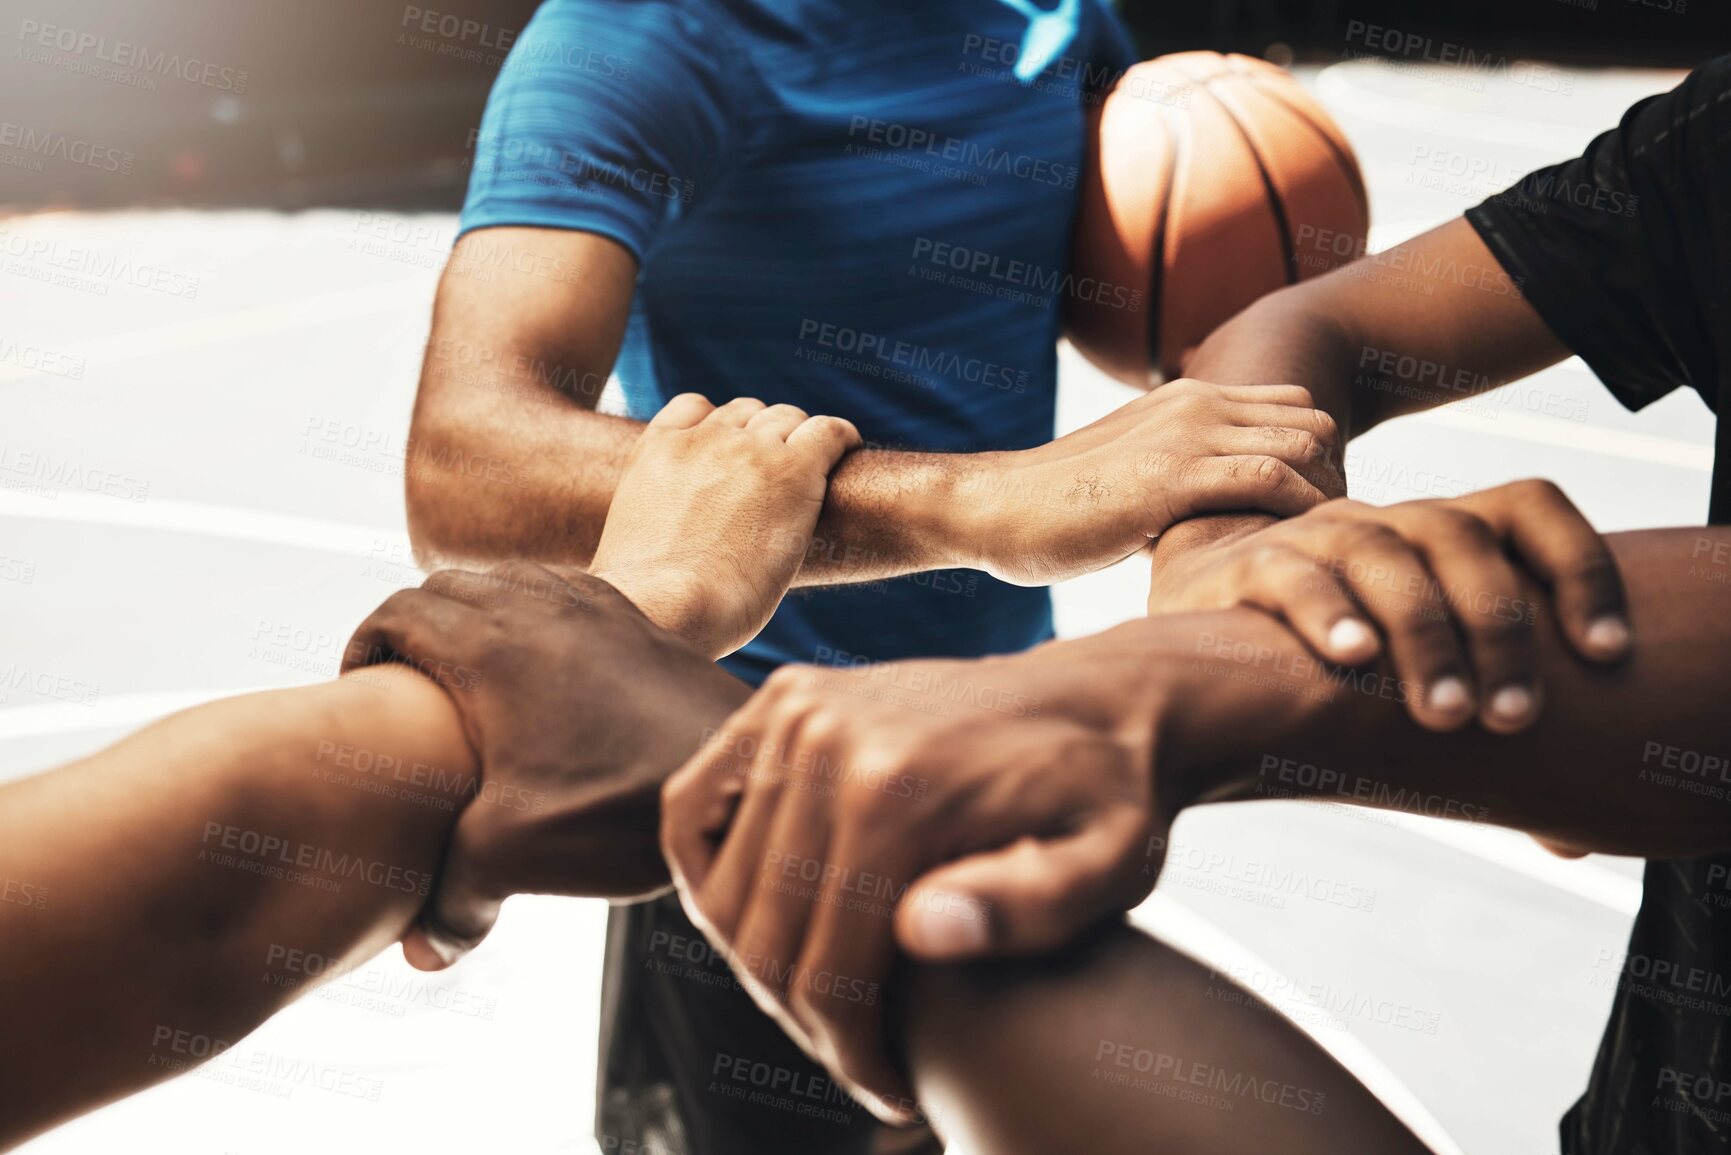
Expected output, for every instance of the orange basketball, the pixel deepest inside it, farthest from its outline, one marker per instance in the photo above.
(1212, 180)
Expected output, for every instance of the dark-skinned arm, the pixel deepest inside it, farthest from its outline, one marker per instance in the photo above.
(945, 790)
(1431, 321)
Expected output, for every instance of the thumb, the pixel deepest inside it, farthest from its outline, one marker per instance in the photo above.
(1032, 896)
(458, 916)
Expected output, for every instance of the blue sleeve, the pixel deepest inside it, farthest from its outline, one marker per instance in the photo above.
(610, 116)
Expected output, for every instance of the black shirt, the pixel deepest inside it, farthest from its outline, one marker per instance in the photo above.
(1626, 254)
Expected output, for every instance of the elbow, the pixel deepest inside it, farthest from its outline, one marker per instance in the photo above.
(428, 502)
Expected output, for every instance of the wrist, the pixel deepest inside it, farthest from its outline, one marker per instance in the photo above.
(668, 600)
(1236, 688)
(954, 517)
(973, 524)
(1201, 532)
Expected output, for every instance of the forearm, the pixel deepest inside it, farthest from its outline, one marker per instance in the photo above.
(496, 481)
(1280, 340)
(1285, 339)
(1430, 321)
(537, 484)
(1625, 759)
(1122, 1045)
(172, 874)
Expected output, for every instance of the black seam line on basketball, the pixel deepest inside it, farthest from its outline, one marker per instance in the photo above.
(1276, 207)
(1157, 262)
(1348, 166)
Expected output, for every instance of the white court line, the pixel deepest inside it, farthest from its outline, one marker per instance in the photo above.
(339, 305)
(231, 523)
(1570, 435)
(1191, 934)
(1520, 854)
(1339, 88)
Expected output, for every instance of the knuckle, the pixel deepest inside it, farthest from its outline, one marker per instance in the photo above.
(1327, 428)
(1360, 536)
(1467, 529)
(1537, 489)
(1307, 445)
(1267, 474)
(807, 1008)
(1592, 567)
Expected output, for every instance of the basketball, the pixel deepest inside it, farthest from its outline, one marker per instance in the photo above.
(1211, 181)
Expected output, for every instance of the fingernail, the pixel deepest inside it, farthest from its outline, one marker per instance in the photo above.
(1449, 696)
(941, 934)
(1351, 636)
(1513, 703)
(1608, 635)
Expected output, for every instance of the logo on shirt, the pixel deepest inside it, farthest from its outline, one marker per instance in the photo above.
(1048, 34)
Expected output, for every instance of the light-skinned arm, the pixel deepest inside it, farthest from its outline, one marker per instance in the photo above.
(508, 458)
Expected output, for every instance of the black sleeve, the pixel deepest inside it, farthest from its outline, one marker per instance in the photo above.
(1619, 249)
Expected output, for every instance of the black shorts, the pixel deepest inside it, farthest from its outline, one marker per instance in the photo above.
(690, 1066)
(1661, 1084)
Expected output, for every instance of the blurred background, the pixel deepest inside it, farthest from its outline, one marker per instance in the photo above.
(221, 225)
(374, 102)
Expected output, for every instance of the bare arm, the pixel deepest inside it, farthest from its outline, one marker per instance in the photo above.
(944, 791)
(151, 885)
(1615, 763)
(1120, 1045)
(1440, 301)
(1432, 320)
(509, 459)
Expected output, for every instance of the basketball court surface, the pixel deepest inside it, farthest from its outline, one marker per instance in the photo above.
(203, 495)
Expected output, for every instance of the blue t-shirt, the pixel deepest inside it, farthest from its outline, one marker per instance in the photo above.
(860, 207)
